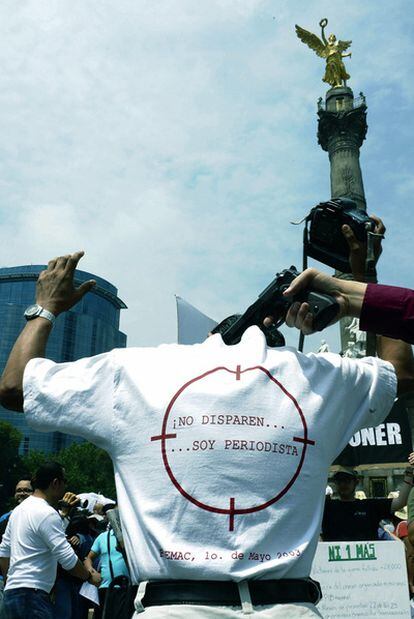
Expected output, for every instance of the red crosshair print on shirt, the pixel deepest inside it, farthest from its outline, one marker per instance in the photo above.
(281, 429)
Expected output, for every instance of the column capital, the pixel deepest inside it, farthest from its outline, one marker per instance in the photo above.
(349, 126)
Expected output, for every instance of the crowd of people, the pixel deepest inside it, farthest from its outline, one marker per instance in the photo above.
(347, 516)
(218, 518)
(49, 535)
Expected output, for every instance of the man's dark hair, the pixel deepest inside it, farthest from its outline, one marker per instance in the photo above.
(273, 336)
(24, 478)
(46, 473)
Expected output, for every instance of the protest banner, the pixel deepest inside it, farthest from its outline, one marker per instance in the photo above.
(388, 442)
(362, 579)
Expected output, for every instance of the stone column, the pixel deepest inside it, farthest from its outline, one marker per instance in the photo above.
(342, 127)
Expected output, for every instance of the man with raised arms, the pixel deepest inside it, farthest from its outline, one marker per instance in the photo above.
(214, 532)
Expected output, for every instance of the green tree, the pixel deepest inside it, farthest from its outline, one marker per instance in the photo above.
(88, 469)
(10, 464)
(33, 460)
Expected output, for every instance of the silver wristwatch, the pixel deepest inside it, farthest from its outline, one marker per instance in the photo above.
(34, 311)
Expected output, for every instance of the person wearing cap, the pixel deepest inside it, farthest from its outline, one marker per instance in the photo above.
(221, 453)
(351, 519)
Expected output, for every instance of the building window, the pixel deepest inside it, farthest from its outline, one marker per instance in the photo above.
(26, 442)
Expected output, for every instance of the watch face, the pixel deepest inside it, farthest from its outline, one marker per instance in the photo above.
(32, 311)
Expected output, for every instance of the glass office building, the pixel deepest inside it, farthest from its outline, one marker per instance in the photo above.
(89, 328)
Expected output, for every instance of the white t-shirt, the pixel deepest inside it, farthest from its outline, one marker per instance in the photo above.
(221, 453)
(35, 542)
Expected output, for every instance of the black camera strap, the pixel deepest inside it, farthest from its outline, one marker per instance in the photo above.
(111, 569)
(304, 267)
(371, 277)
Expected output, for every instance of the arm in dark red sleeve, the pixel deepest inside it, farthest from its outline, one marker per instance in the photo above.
(389, 311)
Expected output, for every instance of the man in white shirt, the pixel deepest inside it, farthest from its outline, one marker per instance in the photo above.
(221, 453)
(33, 543)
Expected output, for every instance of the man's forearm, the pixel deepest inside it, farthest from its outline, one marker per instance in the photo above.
(30, 344)
(400, 354)
(354, 293)
(88, 564)
(80, 571)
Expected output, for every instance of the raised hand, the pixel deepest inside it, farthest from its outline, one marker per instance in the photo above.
(55, 290)
(358, 250)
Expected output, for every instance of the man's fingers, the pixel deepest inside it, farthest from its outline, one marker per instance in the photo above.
(292, 314)
(61, 261)
(73, 260)
(300, 317)
(73, 500)
(84, 288)
(350, 238)
(307, 324)
(296, 314)
(379, 228)
(51, 264)
(301, 282)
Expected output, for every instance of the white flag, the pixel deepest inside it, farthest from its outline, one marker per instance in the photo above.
(193, 325)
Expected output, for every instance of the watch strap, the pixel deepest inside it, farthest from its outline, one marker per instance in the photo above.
(39, 311)
(46, 314)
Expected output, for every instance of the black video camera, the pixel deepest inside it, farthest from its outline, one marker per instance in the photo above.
(271, 302)
(323, 238)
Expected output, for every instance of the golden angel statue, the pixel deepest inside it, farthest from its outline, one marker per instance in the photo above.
(331, 49)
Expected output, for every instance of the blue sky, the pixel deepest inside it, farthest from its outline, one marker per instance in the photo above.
(174, 141)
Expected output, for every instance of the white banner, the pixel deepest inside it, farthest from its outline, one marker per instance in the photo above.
(193, 325)
(362, 579)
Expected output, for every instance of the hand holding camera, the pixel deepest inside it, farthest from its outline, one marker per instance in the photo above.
(68, 502)
(335, 227)
(358, 249)
(349, 295)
